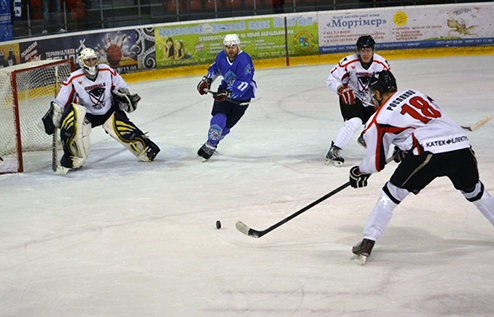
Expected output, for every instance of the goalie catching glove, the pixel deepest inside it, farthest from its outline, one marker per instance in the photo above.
(126, 102)
(222, 95)
(205, 83)
(357, 179)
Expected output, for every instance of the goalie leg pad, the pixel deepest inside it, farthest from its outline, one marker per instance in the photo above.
(119, 127)
(74, 134)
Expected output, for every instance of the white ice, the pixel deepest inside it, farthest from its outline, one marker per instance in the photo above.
(125, 238)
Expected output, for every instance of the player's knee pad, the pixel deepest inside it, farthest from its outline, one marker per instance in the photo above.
(119, 127)
(353, 124)
(475, 194)
(395, 193)
(74, 133)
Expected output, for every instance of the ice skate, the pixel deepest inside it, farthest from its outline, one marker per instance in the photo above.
(361, 141)
(334, 157)
(206, 151)
(362, 250)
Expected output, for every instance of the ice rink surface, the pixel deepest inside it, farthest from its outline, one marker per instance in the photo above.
(125, 238)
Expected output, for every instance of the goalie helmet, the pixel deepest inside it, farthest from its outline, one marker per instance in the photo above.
(231, 39)
(383, 81)
(88, 61)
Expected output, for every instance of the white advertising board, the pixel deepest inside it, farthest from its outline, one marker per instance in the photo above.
(408, 27)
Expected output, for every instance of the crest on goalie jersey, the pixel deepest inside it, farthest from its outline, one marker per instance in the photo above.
(97, 96)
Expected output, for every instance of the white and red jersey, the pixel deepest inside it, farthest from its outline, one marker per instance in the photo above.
(350, 72)
(413, 122)
(95, 96)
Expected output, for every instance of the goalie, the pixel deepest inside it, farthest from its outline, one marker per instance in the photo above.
(95, 95)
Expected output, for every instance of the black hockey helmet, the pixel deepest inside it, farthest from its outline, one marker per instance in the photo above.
(365, 41)
(383, 81)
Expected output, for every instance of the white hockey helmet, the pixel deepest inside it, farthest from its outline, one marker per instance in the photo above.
(88, 61)
(231, 39)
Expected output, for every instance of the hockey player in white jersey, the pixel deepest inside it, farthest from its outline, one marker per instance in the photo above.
(427, 144)
(91, 96)
(350, 80)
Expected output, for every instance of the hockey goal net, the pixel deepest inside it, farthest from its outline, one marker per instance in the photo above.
(26, 91)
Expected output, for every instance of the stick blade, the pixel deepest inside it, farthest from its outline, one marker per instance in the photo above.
(242, 227)
(479, 124)
(482, 122)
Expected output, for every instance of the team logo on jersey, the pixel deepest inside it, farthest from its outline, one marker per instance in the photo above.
(97, 96)
(364, 80)
(304, 41)
(230, 78)
(248, 69)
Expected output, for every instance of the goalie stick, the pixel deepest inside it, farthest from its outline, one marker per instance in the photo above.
(54, 154)
(243, 228)
(214, 93)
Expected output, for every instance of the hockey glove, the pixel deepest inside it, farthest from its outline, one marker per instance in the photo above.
(357, 179)
(346, 93)
(53, 118)
(126, 101)
(222, 95)
(205, 83)
(398, 155)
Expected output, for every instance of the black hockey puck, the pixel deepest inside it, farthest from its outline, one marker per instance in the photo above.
(218, 224)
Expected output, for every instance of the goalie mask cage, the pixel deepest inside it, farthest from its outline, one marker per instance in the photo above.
(26, 91)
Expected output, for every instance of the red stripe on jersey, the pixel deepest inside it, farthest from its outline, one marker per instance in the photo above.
(72, 79)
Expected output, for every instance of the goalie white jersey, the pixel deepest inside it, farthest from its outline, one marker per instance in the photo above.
(350, 72)
(413, 122)
(95, 96)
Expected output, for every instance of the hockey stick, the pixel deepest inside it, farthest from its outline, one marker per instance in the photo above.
(257, 234)
(242, 227)
(479, 124)
(214, 93)
(54, 153)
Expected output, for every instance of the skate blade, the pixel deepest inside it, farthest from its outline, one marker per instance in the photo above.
(361, 259)
(335, 163)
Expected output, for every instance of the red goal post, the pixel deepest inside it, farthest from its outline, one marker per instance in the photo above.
(26, 91)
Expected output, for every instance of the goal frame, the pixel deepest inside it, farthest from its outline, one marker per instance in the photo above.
(15, 101)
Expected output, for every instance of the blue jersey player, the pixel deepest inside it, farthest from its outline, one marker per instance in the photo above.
(234, 94)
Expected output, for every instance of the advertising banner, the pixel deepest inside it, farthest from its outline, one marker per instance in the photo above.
(264, 37)
(9, 55)
(408, 27)
(120, 49)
